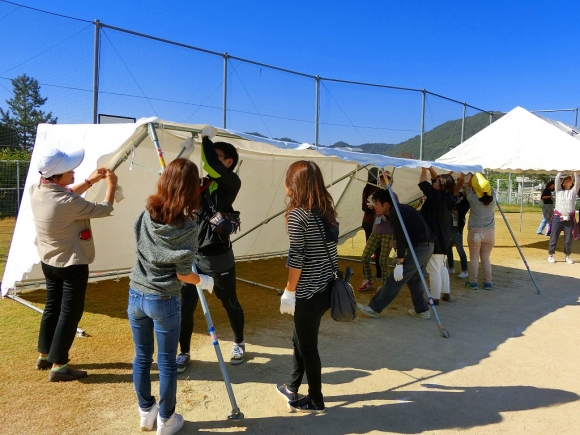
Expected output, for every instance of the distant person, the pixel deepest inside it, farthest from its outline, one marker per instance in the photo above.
(166, 239)
(379, 241)
(66, 248)
(547, 207)
(368, 220)
(437, 210)
(406, 271)
(459, 213)
(312, 260)
(564, 214)
(215, 256)
(480, 229)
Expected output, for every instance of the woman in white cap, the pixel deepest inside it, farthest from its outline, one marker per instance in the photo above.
(480, 229)
(65, 246)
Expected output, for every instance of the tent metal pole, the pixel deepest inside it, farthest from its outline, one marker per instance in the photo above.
(424, 93)
(280, 291)
(236, 414)
(521, 202)
(518, 246)
(96, 66)
(225, 96)
(80, 332)
(155, 140)
(444, 333)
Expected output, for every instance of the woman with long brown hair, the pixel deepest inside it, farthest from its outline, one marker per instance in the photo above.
(166, 235)
(312, 258)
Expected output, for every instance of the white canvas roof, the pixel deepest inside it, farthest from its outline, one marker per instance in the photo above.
(261, 201)
(521, 141)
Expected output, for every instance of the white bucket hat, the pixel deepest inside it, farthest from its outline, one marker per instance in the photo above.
(56, 162)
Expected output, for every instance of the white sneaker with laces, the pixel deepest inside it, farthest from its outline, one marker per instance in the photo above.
(463, 275)
(238, 353)
(171, 426)
(569, 260)
(148, 418)
(551, 259)
(424, 315)
(451, 271)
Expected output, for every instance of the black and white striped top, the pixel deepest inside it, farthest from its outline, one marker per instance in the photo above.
(307, 253)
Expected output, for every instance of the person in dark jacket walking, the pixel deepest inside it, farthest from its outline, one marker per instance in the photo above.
(215, 256)
(406, 271)
(369, 217)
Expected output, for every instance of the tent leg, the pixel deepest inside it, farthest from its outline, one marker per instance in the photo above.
(236, 414)
(518, 246)
(444, 332)
(80, 332)
(260, 285)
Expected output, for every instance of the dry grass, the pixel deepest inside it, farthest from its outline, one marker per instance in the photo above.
(45, 408)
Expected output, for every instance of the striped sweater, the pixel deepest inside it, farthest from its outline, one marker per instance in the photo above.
(308, 254)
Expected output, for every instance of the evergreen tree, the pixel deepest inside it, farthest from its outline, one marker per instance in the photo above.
(24, 112)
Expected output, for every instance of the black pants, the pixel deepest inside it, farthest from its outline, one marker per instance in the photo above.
(557, 227)
(306, 359)
(225, 290)
(368, 227)
(65, 302)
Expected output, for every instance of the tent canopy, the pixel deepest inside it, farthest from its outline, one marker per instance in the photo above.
(129, 149)
(520, 141)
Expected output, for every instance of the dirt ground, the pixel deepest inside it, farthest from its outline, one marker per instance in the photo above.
(510, 365)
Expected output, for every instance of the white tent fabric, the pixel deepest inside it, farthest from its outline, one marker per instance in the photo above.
(261, 201)
(520, 141)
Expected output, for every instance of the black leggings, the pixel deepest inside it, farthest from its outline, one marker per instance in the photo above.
(306, 359)
(225, 290)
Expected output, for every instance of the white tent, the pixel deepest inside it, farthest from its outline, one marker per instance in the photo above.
(520, 141)
(130, 150)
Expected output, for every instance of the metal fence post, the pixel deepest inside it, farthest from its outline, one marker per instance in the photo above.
(463, 121)
(576, 118)
(17, 185)
(317, 111)
(225, 102)
(424, 93)
(96, 67)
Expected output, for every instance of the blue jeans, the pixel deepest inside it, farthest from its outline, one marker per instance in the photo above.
(547, 211)
(457, 239)
(411, 276)
(161, 315)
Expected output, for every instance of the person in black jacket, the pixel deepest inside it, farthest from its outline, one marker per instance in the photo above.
(406, 271)
(459, 213)
(437, 211)
(215, 256)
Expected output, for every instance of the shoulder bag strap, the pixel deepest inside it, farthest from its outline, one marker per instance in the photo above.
(334, 272)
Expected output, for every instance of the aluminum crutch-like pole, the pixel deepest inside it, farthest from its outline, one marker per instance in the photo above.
(444, 332)
(236, 414)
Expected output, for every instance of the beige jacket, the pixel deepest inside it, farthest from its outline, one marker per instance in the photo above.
(60, 216)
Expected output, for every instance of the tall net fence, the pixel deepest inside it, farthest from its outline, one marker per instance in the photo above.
(140, 76)
(12, 178)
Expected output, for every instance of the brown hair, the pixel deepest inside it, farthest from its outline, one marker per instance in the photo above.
(306, 190)
(177, 195)
(447, 183)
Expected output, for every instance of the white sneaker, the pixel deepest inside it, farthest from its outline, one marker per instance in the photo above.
(451, 271)
(424, 315)
(148, 418)
(463, 275)
(551, 259)
(569, 260)
(238, 354)
(171, 426)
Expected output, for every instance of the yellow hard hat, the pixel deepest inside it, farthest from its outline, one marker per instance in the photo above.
(480, 185)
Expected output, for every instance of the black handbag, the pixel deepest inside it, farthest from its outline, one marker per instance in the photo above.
(342, 302)
(221, 222)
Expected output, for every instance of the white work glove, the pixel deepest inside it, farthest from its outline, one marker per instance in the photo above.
(205, 283)
(208, 131)
(477, 237)
(288, 302)
(119, 194)
(398, 272)
(370, 202)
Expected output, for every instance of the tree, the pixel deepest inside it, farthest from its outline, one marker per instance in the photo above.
(24, 112)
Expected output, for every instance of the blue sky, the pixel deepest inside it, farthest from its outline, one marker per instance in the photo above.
(492, 55)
